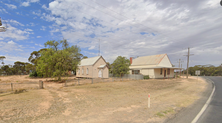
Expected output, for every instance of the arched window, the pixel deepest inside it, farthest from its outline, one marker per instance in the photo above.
(82, 70)
(87, 71)
(79, 71)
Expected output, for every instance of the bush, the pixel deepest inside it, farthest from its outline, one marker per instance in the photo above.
(146, 77)
(33, 74)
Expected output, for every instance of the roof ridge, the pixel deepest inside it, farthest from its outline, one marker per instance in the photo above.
(152, 55)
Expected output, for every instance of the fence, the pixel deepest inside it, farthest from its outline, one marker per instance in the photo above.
(8, 87)
(82, 81)
(129, 76)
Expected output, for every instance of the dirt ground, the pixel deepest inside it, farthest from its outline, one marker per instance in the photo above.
(118, 101)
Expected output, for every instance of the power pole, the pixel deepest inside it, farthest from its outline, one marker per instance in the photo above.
(180, 65)
(188, 58)
(99, 48)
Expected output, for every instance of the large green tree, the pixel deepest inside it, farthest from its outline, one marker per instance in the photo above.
(56, 62)
(120, 66)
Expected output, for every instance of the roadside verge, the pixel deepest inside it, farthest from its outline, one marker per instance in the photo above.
(188, 114)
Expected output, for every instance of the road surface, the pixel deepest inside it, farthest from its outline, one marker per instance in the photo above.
(213, 113)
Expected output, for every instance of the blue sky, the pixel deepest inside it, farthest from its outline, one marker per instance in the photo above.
(124, 27)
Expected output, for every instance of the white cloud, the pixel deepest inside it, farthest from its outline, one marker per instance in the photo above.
(34, 1)
(43, 28)
(39, 45)
(92, 47)
(15, 22)
(10, 59)
(176, 25)
(3, 10)
(11, 6)
(25, 4)
(7, 47)
(15, 33)
(11, 42)
(38, 36)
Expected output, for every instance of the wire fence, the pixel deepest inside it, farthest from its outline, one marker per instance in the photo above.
(82, 81)
(12, 87)
(9, 87)
(129, 76)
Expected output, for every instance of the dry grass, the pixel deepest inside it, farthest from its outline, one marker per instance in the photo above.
(124, 101)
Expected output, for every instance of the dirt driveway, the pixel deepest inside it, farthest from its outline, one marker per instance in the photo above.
(109, 102)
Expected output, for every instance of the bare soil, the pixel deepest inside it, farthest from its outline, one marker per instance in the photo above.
(118, 101)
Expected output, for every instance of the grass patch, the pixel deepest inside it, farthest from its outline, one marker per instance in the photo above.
(165, 112)
(20, 91)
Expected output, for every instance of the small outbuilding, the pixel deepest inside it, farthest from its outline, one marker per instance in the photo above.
(156, 66)
(94, 67)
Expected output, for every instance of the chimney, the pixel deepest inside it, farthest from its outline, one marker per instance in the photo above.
(131, 60)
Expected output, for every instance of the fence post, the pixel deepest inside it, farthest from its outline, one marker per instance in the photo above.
(65, 84)
(40, 84)
(92, 80)
(12, 86)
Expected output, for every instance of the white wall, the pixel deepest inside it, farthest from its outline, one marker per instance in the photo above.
(155, 73)
(165, 62)
(149, 72)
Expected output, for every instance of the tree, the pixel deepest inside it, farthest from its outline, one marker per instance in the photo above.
(121, 66)
(53, 44)
(19, 67)
(34, 56)
(84, 57)
(2, 59)
(5, 69)
(109, 67)
(64, 43)
(55, 62)
(29, 67)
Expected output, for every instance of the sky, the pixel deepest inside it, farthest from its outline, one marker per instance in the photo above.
(126, 28)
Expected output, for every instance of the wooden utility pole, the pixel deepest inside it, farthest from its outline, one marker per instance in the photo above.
(188, 58)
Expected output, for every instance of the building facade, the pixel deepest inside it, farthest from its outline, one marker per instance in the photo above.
(156, 66)
(94, 67)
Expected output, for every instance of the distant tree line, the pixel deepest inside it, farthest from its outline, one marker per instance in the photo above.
(19, 68)
(206, 70)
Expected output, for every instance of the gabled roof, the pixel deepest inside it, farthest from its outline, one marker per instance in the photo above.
(148, 60)
(89, 61)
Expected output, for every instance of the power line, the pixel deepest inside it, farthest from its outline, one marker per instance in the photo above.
(188, 56)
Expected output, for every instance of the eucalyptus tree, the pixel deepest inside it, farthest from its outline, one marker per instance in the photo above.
(120, 66)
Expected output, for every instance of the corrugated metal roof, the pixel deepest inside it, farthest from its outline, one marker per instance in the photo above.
(89, 61)
(148, 60)
(153, 67)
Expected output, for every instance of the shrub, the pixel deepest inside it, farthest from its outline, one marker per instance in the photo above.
(33, 74)
(146, 77)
